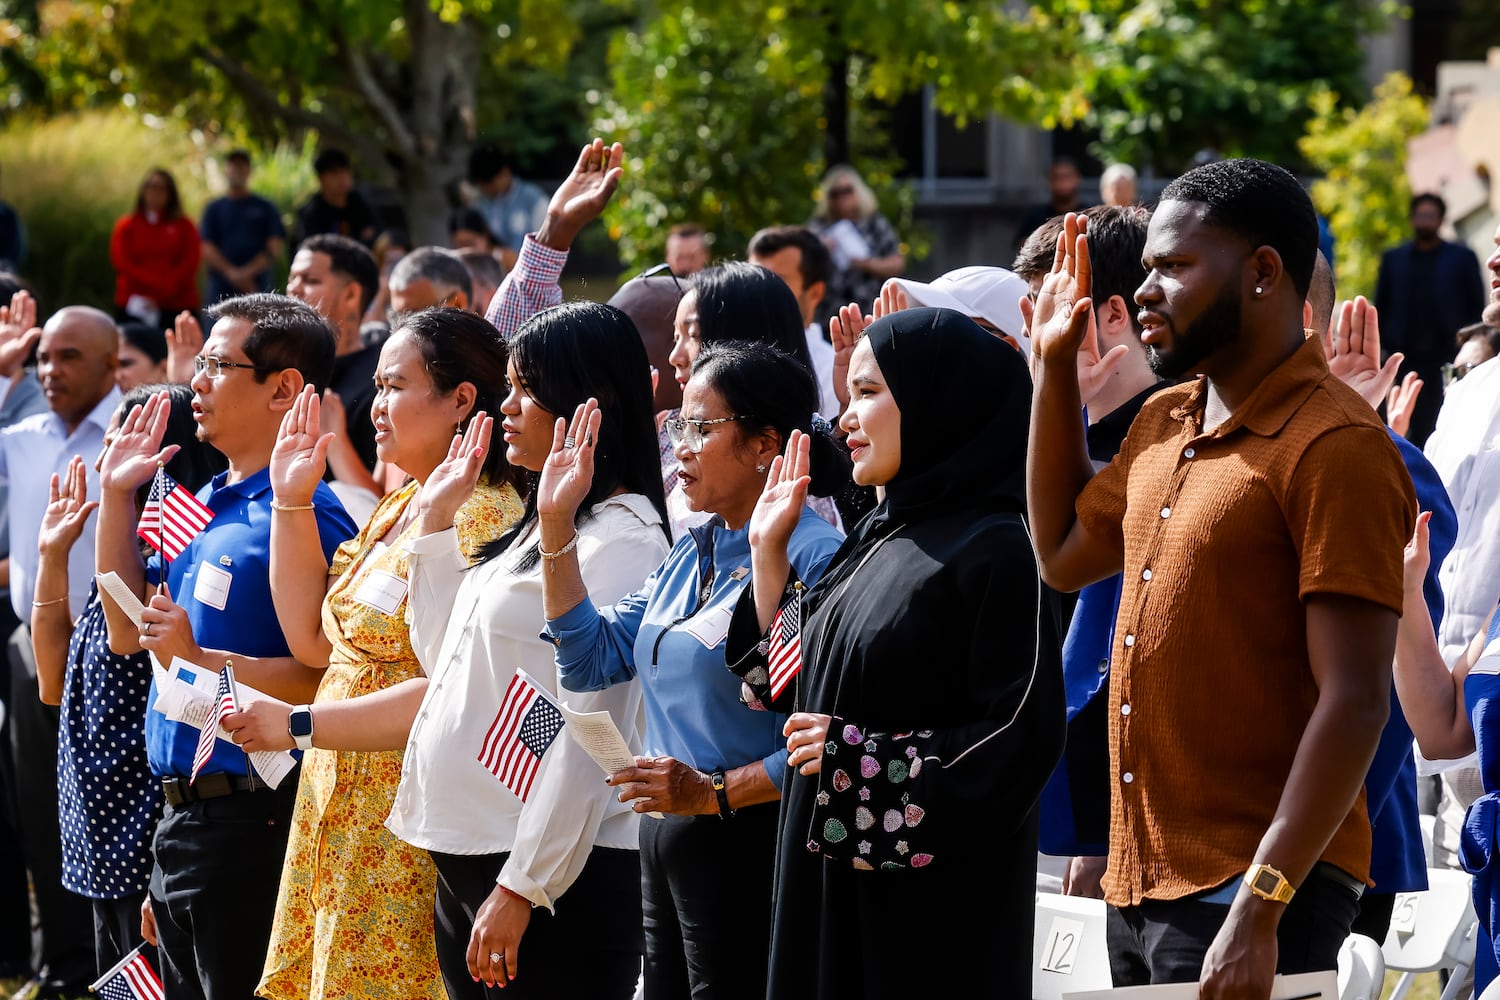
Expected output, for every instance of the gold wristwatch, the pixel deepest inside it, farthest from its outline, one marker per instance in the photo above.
(1268, 883)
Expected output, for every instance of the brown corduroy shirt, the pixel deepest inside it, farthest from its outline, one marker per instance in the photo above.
(1223, 536)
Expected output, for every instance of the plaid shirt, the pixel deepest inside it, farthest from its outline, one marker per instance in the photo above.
(530, 287)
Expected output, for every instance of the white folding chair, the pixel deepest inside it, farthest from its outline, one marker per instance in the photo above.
(1361, 969)
(1069, 952)
(1433, 931)
(1491, 992)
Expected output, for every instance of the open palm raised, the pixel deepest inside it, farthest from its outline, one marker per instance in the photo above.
(780, 505)
(301, 453)
(568, 472)
(450, 485)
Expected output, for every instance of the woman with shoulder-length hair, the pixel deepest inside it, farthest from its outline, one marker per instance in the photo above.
(929, 709)
(155, 252)
(866, 250)
(712, 769)
(525, 869)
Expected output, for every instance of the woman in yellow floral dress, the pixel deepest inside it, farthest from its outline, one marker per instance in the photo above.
(354, 917)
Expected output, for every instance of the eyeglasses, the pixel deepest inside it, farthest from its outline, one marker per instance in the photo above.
(840, 192)
(208, 364)
(660, 269)
(1453, 373)
(682, 430)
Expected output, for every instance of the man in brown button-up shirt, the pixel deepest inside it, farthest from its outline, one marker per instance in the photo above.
(1259, 514)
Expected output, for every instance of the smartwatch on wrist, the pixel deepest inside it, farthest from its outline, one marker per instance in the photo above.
(299, 725)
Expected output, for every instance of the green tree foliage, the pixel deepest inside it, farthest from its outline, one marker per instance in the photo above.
(1176, 76)
(1364, 192)
(724, 108)
(396, 82)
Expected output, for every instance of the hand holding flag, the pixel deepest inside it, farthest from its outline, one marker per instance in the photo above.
(225, 702)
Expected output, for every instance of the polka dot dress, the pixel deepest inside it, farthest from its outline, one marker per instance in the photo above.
(108, 801)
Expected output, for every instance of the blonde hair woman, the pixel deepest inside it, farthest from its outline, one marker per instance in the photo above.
(866, 250)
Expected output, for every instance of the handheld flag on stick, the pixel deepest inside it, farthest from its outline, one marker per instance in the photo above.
(225, 701)
(132, 978)
(785, 653)
(172, 516)
(527, 725)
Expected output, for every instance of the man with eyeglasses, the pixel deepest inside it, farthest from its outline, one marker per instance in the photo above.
(76, 361)
(338, 277)
(222, 838)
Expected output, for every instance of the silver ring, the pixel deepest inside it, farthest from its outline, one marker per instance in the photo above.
(568, 442)
(496, 957)
(146, 629)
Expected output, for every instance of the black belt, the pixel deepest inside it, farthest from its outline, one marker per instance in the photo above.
(1338, 876)
(179, 792)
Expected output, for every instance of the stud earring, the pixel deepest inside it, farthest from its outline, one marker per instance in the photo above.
(1259, 290)
(760, 468)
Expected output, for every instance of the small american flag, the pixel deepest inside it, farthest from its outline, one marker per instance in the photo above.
(224, 703)
(172, 516)
(785, 652)
(132, 979)
(526, 726)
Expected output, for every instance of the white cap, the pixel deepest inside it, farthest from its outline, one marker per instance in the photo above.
(992, 294)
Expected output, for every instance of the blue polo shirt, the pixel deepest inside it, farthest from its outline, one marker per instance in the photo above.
(229, 563)
(240, 228)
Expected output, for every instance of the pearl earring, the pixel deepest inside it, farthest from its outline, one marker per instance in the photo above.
(760, 468)
(1259, 290)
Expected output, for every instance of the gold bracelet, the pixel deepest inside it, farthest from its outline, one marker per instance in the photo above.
(48, 604)
(293, 506)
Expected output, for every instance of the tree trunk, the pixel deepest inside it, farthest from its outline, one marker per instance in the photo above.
(836, 99)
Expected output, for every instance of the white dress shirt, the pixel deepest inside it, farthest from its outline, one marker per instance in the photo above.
(471, 630)
(822, 361)
(30, 451)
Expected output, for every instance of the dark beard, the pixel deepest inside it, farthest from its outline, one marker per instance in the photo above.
(1217, 328)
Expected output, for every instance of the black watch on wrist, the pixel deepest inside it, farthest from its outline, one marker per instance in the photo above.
(721, 791)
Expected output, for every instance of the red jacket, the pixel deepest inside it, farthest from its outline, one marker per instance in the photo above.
(158, 260)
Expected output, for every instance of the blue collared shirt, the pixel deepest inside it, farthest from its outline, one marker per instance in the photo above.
(671, 635)
(229, 563)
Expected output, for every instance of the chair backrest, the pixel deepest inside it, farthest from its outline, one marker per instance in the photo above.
(1070, 953)
(1491, 992)
(1361, 969)
(1433, 930)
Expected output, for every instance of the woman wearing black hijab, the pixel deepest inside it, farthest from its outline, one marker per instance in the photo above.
(929, 709)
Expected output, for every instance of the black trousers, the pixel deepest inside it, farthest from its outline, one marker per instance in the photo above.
(15, 897)
(117, 930)
(1374, 920)
(1166, 941)
(67, 952)
(591, 947)
(706, 884)
(213, 890)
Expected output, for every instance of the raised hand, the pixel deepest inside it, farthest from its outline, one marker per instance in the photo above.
(780, 505)
(68, 508)
(184, 341)
(18, 332)
(1401, 403)
(581, 198)
(844, 330)
(892, 300)
(1415, 560)
(1061, 321)
(450, 485)
(135, 452)
(568, 472)
(1353, 348)
(301, 454)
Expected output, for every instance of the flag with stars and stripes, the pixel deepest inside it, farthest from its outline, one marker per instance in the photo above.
(785, 653)
(131, 979)
(224, 703)
(527, 724)
(172, 516)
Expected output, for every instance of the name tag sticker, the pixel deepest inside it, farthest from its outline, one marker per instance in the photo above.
(212, 586)
(711, 627)
(1061, 950)
(382, 591)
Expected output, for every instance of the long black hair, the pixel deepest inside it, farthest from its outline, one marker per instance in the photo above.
(739, 301)
(458, 346)
(767, 390)
(566, 354)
